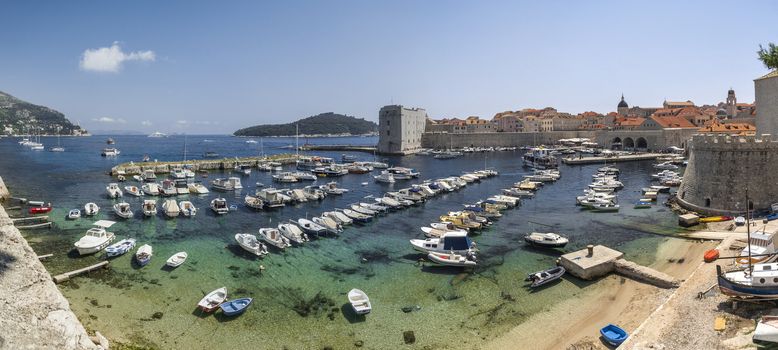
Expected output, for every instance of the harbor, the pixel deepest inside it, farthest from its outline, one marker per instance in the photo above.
(613, 158)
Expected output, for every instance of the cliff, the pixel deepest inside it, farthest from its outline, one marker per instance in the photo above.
(35, 315)
(21, 117)
(322, 124)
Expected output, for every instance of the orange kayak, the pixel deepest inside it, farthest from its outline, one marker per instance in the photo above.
(711, 255)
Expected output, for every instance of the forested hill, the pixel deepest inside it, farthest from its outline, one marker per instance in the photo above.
(322, 124)
(21, 117)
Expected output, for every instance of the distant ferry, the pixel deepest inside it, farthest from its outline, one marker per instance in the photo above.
(540, 158)
(157, 134)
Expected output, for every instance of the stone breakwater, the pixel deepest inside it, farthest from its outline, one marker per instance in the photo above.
(133, 168)
(35, 315)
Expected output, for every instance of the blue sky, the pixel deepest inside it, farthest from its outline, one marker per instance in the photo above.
(214, 67)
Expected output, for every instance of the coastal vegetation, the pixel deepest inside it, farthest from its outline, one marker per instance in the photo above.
(21, 117)
(769, 56)
(322, 124)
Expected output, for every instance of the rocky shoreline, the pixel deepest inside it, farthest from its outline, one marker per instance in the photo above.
(35, 314)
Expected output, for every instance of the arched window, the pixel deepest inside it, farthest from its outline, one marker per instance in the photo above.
(707, 202)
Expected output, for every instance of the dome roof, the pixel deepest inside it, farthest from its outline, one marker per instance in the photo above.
(721, 111)
(623, 104)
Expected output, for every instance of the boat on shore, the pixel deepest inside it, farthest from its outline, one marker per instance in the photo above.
(212, 300)
(767, 329)
(718, 218)
(359, 301)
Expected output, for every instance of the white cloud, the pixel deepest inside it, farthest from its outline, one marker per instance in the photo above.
(146, 123)
(109, 120)
(202, 122)
(110, 59)
(182, 122)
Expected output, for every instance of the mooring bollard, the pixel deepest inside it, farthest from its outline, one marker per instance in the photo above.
(590, 249)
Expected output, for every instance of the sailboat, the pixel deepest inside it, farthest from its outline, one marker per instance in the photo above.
(757, 281)
(59, 147)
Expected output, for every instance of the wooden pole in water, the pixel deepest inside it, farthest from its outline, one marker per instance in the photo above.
(67, 275)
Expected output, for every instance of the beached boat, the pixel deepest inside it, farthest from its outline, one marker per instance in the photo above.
(91, 209)
(273, 237)
(113, 190)
(359, 301)
(456, 242)
(197, 188)
(544, 277)
(328, 223)
(293, 233)
(171, 208)
(74, 214)
(761, 283)
(177, 259)
(613, 334)
(96, 238)
(219, 206)
(467, 260)
(123, 210)
(310, 227)
(149, 207)
(338, 217)
(740, 221)
(715, 219)
(143, 255)
(120, 247)
(710, 255)
(187, 208)
(235, 307)
(133, 191)
(151, 189)
(767, 329)
(212, 300)
(250, 244)
(761, 248)
(546, 239)
(254, 202)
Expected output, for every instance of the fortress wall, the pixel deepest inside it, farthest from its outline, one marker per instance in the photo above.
(721, 167)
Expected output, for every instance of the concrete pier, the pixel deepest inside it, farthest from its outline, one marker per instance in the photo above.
(360, 148)
(137, 168)
(598, 261)
(613, 159)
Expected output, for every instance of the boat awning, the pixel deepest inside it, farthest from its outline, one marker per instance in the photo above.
(104, 223)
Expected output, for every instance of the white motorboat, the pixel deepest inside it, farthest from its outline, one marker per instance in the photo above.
(123, 210)
(222, 184)
(149, 207)
(328, 223)
(243, 169)
(91, 209)
(177, 259)
(437, 231)
(510, 201)
(767, 329)
(384, 177)
(293, 233)
(110, 152)
(456, 242)
(605, 207)
(171, 209)
(133, 191)
(271, 197)
(187, 208)
(546, 239)
(211, 301)
(374, 207)
(273, 237)
(357, 217)
(359, 302)
(332, 188)
(666, 166)
(296, 195)
(96, 238)
(254, 202)
(197, 188)
(389, 202)
(120, 247)
(235, 182)
(338, 217)
(219, 206)
(284, 178)
(362, 210)
(311, 227)
(453, 259)
(182, 187)
(763, 249)
(113, 190)
(168, 188)
(178, 173)
(149, 176)
(250, 244)
(314, 193)
(304, 176)
(151, 189)
(74, 214)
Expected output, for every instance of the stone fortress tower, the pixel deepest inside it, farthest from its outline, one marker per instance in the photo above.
(731, 103)
(722, 167)
(400, 129)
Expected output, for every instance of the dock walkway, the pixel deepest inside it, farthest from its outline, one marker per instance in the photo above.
(611, 159)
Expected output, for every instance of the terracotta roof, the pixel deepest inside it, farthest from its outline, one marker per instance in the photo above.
(680, 103)
(772, 74)
(632, 121)
(739, 128)
(672, 122)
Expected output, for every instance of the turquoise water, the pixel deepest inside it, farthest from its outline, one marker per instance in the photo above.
(300, 299)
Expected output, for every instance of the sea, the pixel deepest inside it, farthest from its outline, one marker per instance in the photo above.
(299, 295)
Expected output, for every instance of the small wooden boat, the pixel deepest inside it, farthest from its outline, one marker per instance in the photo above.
(767, 329)
(359, 302)
(177, 259)
(74, 214)
(546, 239)
(467, 260)
(120, 247)
(91, 209)
(546, 276)
(235, 307)
(212, 300)
(711, 255)
(143, 255)
(613, 334)
(40, 210)
(715, 219)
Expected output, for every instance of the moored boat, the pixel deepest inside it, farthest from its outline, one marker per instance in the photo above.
(113, 190)
(149, 207)
(123, 210)
(359, 301)
(212, 300)
(133, 190)
(219, 206)
(250, 244)
(96, 238)
(235, 307)
(143, 255)
(91, 209)
(187, 208)
(120, 247)
(176, 259)
(546, 239)
(293, 233)
(74, 214)
(546, 276)
(273, 237)
(613, 334)
(453, 259)
(171, 208)
(456, 242)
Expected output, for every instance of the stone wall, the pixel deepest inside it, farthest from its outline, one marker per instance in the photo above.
(721, 167)
(766, 101)
(35, 315)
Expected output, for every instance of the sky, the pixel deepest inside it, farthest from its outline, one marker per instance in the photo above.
(217, 66)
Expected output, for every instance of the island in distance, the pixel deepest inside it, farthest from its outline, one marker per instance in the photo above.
(324, 124)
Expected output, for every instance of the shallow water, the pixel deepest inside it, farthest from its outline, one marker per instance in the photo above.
(300, 299)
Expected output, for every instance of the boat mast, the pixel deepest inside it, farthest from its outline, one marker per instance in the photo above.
(297, 141)
(748, 233)
(184, 148)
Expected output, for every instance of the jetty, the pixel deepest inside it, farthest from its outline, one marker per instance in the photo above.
(611, 159)
(597, 261)
(67, 275)
(137, 168)
(347, 148)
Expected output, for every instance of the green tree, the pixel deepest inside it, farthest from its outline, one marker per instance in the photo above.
(769, 56)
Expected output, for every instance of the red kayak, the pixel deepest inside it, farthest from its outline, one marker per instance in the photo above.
(711, 255)
(40, 210)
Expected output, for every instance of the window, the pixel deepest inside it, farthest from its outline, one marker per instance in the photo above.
(388, 132)
(707, 202)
